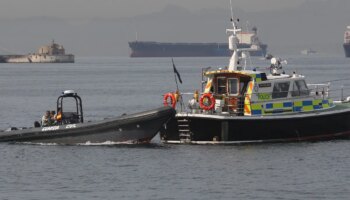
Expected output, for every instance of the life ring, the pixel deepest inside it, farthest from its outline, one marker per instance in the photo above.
(210, 98)
(172, 100)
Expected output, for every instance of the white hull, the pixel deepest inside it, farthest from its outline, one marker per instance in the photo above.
(37, 58)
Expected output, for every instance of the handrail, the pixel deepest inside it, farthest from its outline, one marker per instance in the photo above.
(330, 81)
(254, 93)
(241, 103)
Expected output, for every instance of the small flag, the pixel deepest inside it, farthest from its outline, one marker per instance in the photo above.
(208, 86)
(176, 72)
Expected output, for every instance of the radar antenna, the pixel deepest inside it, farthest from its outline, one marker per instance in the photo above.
(231, 10)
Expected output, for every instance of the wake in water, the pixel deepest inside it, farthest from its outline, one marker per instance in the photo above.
(88, 143)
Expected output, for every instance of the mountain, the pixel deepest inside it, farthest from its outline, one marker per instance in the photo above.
(315, 24)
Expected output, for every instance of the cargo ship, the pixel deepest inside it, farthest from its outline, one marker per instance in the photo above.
(53, 53)
(247, 39)
(347, 42)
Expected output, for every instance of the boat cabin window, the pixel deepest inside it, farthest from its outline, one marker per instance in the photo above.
(280, 90)
(221, 85)
(243, 86)
(233, 86)
(300, 89)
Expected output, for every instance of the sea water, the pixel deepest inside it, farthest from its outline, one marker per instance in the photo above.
(113, 86)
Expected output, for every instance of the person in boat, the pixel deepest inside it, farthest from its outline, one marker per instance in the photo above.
(58, 116)
(46, 120)
(193, 104)
(52, 117)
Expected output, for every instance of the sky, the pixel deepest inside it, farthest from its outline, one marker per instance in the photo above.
(80, 9)
(104, 27)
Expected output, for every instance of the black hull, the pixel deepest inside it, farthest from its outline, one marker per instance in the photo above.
(135, 128)
(156, 49)
(347, 50)
(304, 127)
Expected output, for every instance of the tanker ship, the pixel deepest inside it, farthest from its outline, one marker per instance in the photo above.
(53, 53)
(347, 42)
(248, 39)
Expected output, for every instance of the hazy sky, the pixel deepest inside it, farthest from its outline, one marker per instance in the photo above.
(125, 8)
(104, 27)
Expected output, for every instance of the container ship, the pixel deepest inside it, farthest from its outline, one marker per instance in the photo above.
(347, 42)
(53, 53)
(248, 39)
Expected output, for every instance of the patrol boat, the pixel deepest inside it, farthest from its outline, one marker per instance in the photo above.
(250, 106)
(72, 129)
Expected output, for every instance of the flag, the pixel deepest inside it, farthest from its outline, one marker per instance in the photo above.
(176, 72)
(208, 86)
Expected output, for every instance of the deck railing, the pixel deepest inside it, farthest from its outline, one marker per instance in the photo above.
(316, 91)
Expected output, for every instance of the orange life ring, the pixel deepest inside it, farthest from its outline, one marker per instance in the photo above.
(172, 100)
(210, 98)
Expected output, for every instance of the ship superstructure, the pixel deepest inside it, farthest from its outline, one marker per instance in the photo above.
(346, 44)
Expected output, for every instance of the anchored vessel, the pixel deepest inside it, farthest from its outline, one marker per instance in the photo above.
(308, 51)
(248, 39)
(346, 44)
(249, 106)
(53, 53)
(71, 128)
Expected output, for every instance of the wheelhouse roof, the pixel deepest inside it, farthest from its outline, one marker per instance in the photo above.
(225, 71)
(256, 75)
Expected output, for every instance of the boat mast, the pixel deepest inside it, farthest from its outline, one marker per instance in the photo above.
(233, 42)
(231, 9)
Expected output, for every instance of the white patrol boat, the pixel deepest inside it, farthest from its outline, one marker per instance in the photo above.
(249, 106)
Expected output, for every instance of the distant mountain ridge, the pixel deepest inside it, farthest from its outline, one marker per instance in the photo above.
(315, 24)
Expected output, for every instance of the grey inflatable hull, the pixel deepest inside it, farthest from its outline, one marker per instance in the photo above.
(134, 128)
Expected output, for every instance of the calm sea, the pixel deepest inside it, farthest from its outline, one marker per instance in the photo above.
(113, 86)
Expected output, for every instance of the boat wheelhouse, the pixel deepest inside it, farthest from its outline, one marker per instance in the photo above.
(247, 93)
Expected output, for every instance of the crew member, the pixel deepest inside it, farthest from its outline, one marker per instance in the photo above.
(45, 120)
(58, 116)
(52, 117)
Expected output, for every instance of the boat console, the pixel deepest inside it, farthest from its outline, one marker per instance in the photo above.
(69, 117)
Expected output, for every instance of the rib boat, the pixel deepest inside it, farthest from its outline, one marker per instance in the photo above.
(237, 105)
(71, 129)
